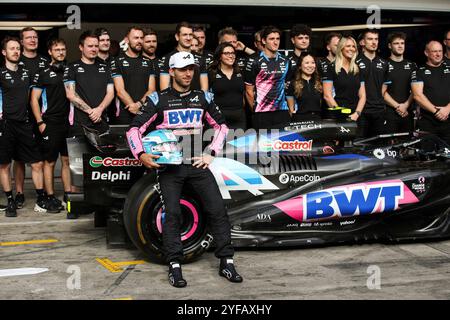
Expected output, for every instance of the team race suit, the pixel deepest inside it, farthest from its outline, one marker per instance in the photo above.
(185, 114)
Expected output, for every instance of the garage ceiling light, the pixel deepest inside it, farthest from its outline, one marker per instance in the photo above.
(364, 26)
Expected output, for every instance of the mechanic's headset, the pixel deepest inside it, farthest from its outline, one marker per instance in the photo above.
(58, 67)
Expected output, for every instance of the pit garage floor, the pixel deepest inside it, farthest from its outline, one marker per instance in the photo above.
(69, 259)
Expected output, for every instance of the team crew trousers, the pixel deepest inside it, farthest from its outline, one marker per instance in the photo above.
(171, 181)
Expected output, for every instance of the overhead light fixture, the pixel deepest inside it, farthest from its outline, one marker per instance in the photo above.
(38, 25)
(365, 26)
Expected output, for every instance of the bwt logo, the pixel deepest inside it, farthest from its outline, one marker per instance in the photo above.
(352, 200)
(184, 117)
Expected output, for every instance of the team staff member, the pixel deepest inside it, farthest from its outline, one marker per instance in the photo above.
(195, 175)
(345, 77)
(33, 62)
(300, 38)
(331, 41)
(133, 78)
(227, 84)
(89, 87)
(16, 131)
(199, 33)
(375, 71)
(447, 47)
(230, 35)
(266, 78)
(304, 94)
(149, 51)
(52, 120)
(397, 89)
(104, 45)
(184, 35)
(431, 90)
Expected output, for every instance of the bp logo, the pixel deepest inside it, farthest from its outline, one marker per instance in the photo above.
(96, 162)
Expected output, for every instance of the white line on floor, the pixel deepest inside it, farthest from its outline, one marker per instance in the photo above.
(43, 222)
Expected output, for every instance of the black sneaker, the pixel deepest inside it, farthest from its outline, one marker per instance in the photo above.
(72, 216)
(41, 205)
(11, 209)
(228, 271)
(175, 275)
(58, 203)
(52, 205)
(20, 200)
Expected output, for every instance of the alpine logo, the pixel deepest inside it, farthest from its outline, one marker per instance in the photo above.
(349, 201)
(195, 99)
(97, 161)
(186, 56)
(345, 130)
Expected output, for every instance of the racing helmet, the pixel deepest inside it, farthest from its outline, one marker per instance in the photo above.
(164, 144)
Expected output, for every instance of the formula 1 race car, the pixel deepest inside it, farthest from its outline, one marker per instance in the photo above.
(309, 184)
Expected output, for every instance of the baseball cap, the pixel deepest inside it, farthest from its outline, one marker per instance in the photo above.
(181, 60)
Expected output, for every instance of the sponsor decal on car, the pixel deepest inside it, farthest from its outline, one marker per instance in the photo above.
(232, 175)
(262, 217)
(110, 176)
(295, 145)
(286, 178)
(419, 187)
(349, 201)
(97, 161)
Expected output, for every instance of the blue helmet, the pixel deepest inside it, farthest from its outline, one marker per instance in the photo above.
(164, 144)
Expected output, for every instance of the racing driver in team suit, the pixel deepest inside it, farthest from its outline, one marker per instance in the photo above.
(184, 111)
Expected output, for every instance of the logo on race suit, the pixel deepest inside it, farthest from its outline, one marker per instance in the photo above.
(80, 70)
(261, 217)
(96, 162)
(285, 178)
(195, 99)
(231, 175)
(348, 201)
(295, 145)
(111, 176)
(184, 118)
(427, 71)
(101, 69)
(125, 63)
(419, 187)
(52, 74)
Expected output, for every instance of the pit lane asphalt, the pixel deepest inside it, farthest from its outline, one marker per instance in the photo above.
(407, 271)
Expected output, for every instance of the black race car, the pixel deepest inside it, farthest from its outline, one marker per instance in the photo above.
(310, 184)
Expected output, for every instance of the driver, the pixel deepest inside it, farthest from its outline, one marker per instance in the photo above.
(185, 111)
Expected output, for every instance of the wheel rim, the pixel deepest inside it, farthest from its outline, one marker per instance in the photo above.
(189, 223)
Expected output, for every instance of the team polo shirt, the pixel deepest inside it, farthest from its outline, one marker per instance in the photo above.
(346, 86)
(269, 76)
(34, 65)
(375, 73)
(55, 105)
(14, 89)
(91, 82)
(436, 84)
(136, 74)
(310, 99)
(200, 68)
(399, 79)
(228, 93)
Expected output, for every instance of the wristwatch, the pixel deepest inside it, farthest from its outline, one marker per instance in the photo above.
(358, 112)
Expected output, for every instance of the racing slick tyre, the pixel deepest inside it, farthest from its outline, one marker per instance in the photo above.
(144, 216)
